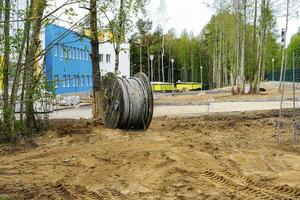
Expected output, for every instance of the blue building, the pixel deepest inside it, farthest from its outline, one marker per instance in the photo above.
(68, 62)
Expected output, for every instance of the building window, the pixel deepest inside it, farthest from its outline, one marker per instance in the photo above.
(87, 54)
(70, 52)
(83, 80)
(65, 81)
(62, 51)
(108, 58)
(87, 80)
(56, 81)
(78, 80)
(101, 58)
(74, 81)
(78, 54)
(69, 81)
(65, 52)
(55, 50)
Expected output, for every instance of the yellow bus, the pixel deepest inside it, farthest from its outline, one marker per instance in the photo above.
(188, 86)
(180, 86)
(162, 87)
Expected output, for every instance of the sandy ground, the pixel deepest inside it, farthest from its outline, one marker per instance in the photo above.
(224, 94)
(209, 157)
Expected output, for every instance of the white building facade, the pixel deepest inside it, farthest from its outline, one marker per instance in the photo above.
(108, 59)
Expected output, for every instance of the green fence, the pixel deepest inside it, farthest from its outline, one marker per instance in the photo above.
(288, 76)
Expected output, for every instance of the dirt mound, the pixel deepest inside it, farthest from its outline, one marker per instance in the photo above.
(70, 127)
(210, 157)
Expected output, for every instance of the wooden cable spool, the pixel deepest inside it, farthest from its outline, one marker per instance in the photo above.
(127, 103)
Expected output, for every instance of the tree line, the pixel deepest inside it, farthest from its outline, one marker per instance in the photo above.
(236, 47)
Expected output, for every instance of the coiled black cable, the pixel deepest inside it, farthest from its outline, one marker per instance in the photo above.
(127, 103)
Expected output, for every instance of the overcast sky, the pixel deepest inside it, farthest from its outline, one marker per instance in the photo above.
(193, 15)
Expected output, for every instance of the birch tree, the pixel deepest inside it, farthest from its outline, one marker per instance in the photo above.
(30, 83)
(95, 59)
(7, 112)
(123, 12)
(283, 58)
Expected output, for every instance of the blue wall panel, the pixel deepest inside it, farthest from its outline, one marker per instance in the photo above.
(68, 62)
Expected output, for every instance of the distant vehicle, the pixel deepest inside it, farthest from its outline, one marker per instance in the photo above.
(179, 86)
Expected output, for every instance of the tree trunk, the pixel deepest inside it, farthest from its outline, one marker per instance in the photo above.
(7, 110)
(141, 55)
(148, 58)
(24, 78)
(158, 65)
(95, 60)
(16, 79)
(192, 66)
(120, 34)
(254, 46)
(238, 51)
(262, 78)
(242, 72)
(262, 42)
(39, 7)
(284, 45)
(219, 51)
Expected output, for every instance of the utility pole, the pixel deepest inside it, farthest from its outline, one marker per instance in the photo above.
(173, 92)
(283, 41)
(163, 20)
(201, 77)
(162, 61)
(141, 62)
(151, 58)
(273, 69)
(294, 102)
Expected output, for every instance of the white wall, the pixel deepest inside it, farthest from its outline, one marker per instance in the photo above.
(124, 59)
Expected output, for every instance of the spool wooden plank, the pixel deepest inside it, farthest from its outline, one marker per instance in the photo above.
(112, 103)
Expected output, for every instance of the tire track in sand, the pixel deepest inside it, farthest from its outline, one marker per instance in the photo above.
(291, 192)
(62, 191)
(67, 193)
(245, 186)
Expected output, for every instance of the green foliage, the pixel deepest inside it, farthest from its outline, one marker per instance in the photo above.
(192, 51)
(294, 46)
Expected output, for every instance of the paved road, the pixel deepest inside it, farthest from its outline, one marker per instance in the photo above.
(192, 110)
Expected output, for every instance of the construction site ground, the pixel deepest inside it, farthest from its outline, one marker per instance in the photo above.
(197, 103)
(220, 156)
(271, 93)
